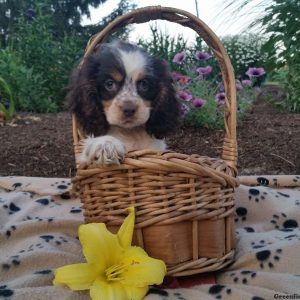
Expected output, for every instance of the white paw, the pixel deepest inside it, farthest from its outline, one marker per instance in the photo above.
(102, 151)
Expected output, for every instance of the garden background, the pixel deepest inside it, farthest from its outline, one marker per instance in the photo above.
(42, 41)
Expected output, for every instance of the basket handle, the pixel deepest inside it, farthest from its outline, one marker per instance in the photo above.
(145, 14)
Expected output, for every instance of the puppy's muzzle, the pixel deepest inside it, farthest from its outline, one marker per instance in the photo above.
(129, 109)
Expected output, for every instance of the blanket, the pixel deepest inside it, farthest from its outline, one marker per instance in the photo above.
(38, 233)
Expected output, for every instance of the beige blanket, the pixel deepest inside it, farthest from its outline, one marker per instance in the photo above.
(38, 233)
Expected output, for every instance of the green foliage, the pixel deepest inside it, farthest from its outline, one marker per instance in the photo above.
(47, 59)
(293, 84)
(281, 24)
(278, 21)
(65, 14)
(163, 45)
(7, 105)
(43, 46)
(211, 114)
(25, 85)
(244, 51)
(122, 33)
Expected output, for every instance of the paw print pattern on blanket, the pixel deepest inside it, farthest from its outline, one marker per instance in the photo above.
(285, 222)
(243, 276)
(249, 229)
(260, 244)
(264, 257)
(47, 202)
(241, 214)
(217, 290)
(62, 185)
(75, 210)
(11, 208)
(10, 230)
(255, 194)
(263, 181)
(13, 261)
(157, 291)
(5, 292)
(43, 272)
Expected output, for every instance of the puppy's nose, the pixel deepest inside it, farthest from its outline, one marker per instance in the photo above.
(129, 110)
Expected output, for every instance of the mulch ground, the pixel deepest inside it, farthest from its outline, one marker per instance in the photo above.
(268, 143)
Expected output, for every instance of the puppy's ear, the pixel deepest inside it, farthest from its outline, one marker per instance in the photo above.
(165, 112)
(83, 99)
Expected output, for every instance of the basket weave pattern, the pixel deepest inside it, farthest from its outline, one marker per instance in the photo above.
(184, 203)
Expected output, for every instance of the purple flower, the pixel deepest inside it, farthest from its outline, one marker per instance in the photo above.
(200, 55)
(198, 102)
(238, 85)
(184, 109)
(247, 83)
(184, 79)
(30, 14)
(203, 71)
(185, 95)
(176, 75)
(221, 87)
(179, 58)
(220, 98)
(255, 72)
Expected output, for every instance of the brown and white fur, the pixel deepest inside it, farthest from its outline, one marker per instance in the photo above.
(124, 100)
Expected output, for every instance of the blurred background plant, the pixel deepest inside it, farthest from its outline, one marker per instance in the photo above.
(41, 42)
(7, 105)
(197, 76)
(203, 97)
(278, 21)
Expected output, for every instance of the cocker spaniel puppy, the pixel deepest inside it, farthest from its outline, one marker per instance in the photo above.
(123, 100)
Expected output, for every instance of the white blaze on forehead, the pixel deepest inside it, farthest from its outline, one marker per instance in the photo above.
(134, 63)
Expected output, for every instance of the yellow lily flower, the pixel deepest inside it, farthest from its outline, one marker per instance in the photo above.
(114, 270)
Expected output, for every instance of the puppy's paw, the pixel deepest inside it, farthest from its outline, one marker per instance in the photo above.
(102, 151)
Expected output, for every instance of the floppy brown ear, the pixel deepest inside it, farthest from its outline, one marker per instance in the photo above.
(165, 113)
(84, 101)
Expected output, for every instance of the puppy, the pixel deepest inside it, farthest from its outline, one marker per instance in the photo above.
(124, 100)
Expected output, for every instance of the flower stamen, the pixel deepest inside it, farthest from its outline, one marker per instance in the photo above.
(113, 273)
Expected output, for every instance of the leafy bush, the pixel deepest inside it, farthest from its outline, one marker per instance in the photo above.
(27, 87)
(202, 96)
(162, 45)
(46, 59)
(7, 105)
(41, 50)
(293, 84)
(244, 51)
(278, 21)
(198, 82)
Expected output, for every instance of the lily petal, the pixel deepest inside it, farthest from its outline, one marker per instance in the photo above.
(136, 293)
(102, 290)
(99, 246)
(77, 277)
(126, 230)
(142, 269)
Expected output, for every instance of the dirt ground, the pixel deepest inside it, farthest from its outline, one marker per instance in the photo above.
(268, 143)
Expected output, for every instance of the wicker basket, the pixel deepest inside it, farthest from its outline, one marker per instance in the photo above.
(184, 203)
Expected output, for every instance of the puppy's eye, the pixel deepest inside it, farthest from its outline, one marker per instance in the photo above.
(143, 85)
(110, 85)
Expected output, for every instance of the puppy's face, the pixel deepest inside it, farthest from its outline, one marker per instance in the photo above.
(120, 84)
(127, 83)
